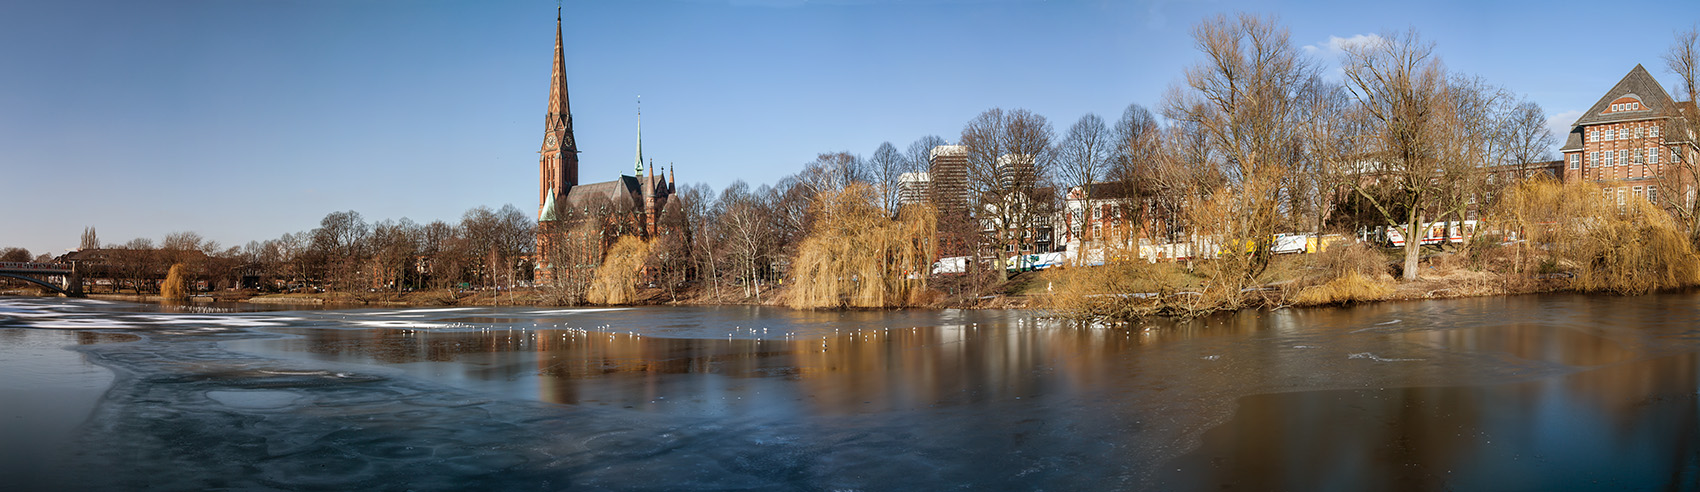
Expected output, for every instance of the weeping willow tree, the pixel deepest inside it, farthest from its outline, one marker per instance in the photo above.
(857, 256)
(616, 280)
(1614, 243)
(174, 289)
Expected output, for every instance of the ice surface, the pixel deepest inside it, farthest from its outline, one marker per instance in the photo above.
(773, 399)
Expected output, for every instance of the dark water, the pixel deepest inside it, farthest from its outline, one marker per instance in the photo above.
(1525, 393)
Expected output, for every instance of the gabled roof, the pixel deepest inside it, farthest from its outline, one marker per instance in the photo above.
(626, 187)
(1573, 141)
(1637, 84)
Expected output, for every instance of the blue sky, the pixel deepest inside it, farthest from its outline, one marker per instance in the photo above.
(243, 120)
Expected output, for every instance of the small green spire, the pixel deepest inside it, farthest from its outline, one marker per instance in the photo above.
(548, 206)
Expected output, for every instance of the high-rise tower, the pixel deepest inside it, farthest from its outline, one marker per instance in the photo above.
(558, 160)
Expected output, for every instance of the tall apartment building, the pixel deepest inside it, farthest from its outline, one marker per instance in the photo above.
(947, 188)
(947, 166)
(1631, 136)
(914, 188)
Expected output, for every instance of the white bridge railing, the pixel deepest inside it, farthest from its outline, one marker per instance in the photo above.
(35, 267)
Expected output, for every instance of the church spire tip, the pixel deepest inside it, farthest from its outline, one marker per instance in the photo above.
(638, 169)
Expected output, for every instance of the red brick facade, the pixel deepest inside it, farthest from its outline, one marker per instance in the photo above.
(1630, 140)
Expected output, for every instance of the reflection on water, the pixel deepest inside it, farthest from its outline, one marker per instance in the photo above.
(1532, 392)
(1631, 426)
(45, 393)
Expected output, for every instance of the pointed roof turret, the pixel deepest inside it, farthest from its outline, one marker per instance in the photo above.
(548, 206)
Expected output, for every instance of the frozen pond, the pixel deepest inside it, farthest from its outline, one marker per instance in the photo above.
(1524, 393)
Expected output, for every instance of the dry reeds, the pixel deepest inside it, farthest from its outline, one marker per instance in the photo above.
(854, 256)
(1120, 290)
(1353, 287)
(1347, 273)
(616, 280)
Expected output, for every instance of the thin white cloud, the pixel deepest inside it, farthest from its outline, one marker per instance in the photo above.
(1336, 46)
(1559, 124)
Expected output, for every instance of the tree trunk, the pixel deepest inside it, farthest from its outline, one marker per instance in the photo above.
(1413, 245)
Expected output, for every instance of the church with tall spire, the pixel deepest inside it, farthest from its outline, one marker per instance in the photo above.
(577, 221)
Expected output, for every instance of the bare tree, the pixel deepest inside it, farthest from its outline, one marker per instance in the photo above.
(1527, 138)
(1008, 153)
(501, 237)
(16, 255)
(1682, 173)
(699, 212)
(89, 240)
(1245, 101)
(1410, 150)
(920, 152)
(834, 171)
(394, 246)
(1138, 140)
(1082, 159)
(745, 229)
(1329, 135)
(887, 168)
(1136, 135)
(340, 241)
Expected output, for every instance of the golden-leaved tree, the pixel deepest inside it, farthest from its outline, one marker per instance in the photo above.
(616, 280)
(174, 289)
(857, 256)
(1624, 247)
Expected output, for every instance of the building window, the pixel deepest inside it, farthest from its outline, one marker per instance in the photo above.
(1637, 157)
(1575, 161)
(1605, 159)
(1637, 191)
(1653, 131)
(1593, 135)
(1638, 132)
(1652, 155)
(1652, 193)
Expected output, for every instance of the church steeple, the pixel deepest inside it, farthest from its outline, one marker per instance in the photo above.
(558, 160)
(560, 109)
(637, 170)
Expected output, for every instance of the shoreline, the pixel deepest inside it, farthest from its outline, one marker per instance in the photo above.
(1442, 287)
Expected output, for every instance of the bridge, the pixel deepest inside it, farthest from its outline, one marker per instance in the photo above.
(70, 281)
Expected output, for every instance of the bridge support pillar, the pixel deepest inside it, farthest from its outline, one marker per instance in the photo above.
(74, 282)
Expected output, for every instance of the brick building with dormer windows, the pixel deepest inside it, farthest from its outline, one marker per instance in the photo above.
(1629, 140)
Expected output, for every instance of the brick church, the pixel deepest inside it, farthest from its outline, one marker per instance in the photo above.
(577, 222)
